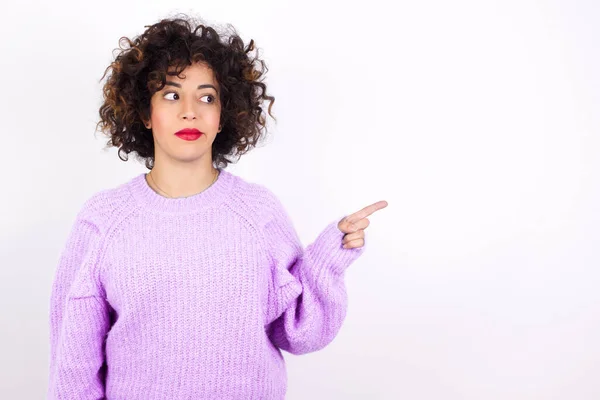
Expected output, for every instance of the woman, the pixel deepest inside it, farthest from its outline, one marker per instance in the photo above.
(187, 282)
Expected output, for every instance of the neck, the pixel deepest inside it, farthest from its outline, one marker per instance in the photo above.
(180, 180)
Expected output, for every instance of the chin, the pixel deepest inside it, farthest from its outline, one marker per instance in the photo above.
(189, 156)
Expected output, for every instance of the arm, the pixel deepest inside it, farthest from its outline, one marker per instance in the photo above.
(307, 298)
(79, 317)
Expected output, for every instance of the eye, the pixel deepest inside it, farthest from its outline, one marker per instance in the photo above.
(173, 93)
(211, 96)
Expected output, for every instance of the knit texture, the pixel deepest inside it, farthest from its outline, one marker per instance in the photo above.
(190, 298)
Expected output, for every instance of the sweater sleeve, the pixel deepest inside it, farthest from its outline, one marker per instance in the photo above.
(79, 317)
(307, 298)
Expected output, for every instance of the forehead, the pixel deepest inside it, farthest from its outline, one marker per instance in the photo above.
(193, 74)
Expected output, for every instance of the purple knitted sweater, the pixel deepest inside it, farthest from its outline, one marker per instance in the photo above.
(190, 298)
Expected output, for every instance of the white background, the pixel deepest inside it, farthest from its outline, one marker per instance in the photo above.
(476, 120)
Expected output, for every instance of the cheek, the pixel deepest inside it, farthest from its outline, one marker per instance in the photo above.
(160, 122)
(213, 118)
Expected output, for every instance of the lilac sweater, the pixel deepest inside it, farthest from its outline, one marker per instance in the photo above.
(190, 298)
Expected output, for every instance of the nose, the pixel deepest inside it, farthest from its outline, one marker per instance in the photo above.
(187, 109)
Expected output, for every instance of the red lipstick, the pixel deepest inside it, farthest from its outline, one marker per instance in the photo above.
(189, 134)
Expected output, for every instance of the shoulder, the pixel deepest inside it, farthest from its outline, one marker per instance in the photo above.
(257, 199)
(260, 205)
(103, 208)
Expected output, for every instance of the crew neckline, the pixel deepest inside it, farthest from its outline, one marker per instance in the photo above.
(213, 195)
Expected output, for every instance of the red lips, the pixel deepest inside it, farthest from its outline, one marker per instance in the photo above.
(189, 131)
(189, 134)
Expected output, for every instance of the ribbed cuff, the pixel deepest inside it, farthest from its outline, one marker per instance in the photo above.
(327, 250)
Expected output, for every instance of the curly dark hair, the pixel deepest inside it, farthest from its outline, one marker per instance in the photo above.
(141, 68)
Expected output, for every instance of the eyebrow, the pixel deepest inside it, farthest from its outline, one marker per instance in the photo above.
(206, 85)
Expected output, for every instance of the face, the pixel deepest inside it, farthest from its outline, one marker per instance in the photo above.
(191, 102)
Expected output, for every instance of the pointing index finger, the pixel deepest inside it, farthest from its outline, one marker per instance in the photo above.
(368, 210)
